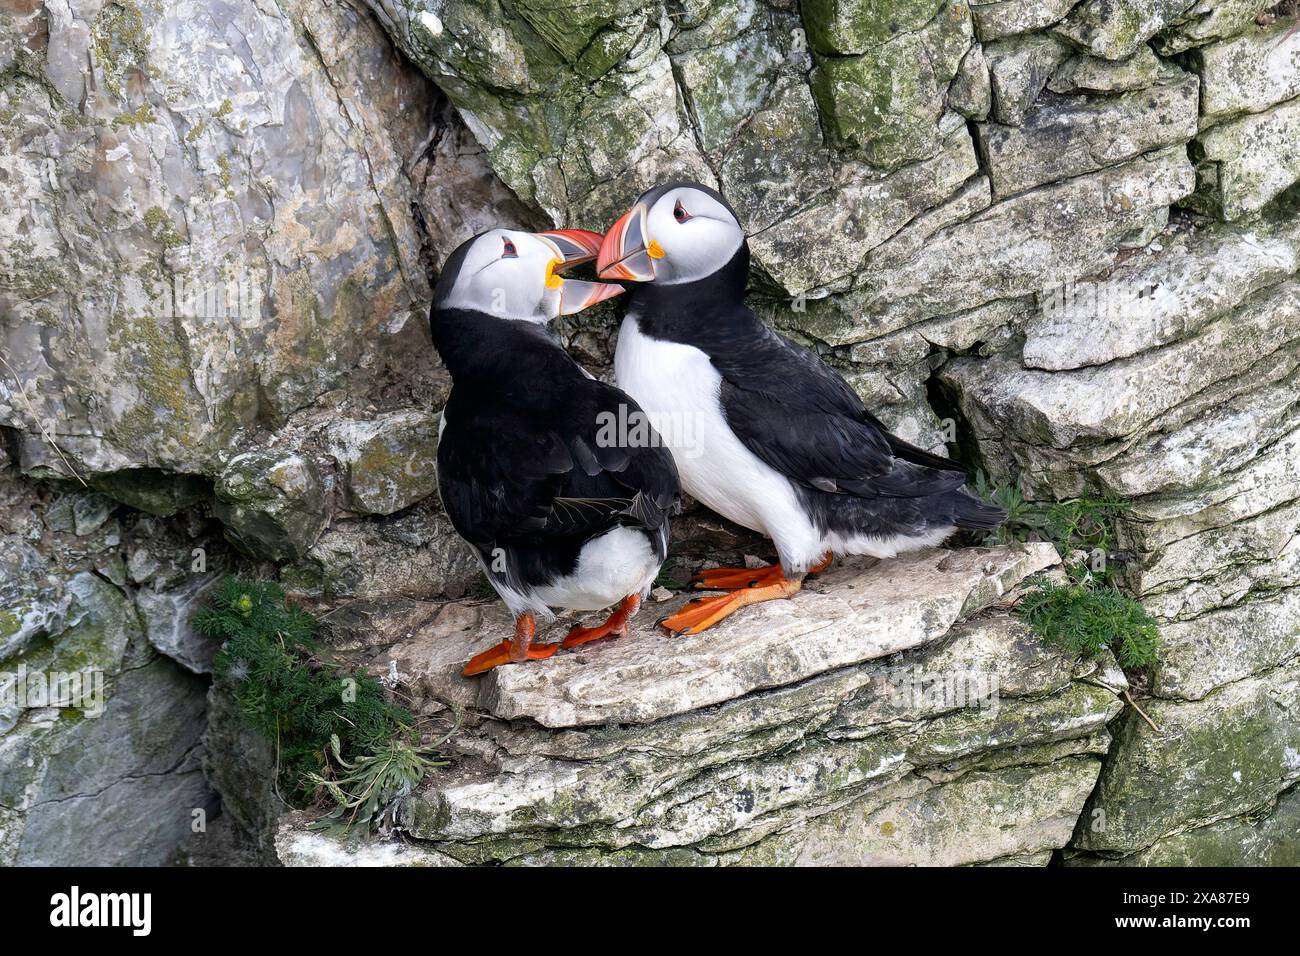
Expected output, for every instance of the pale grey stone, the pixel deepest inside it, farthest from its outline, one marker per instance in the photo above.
(971, 92)
(1249, 73)
(1115, 29)
(1159, 297)
(1020, 68)
(1230, 644)
(1264, 475)
(995, 19)
(1199, 448)
(1259, 550)
(1243, 164)
(389, 462)
(33, 604)
(1116, 399)
(986, 816)
(416, 553)
(1209, 20)
(1089, 74)
(115, 778)
(716, 784)
(1066, 230)
(1267, 836)
(1063, 136)
(726, 82)
(244, 176)
(778, 160)
(1211, 760)
(166, 619)
(864, 210)
(296, 846)
(272, 503)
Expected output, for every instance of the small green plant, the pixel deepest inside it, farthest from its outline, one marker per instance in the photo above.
(371, 786)
(1086, 524)
(1085, 618)
(335, 732)
(1086, 614)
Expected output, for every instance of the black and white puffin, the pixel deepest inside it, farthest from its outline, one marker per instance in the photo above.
(763, 432)
(559, 515)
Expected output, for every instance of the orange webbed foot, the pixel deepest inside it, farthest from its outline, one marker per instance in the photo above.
(503, 654)
(616, 625)
(520, 649)
(700, 614)
(703, 613)
(731, 579)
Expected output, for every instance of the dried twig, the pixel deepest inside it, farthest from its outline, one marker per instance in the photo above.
(1128, 697)
(31, 409)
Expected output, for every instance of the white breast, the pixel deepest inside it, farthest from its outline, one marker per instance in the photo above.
(679, 389)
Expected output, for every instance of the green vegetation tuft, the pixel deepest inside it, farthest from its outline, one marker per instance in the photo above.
(1086, 619)
(1086, 524)
(336, 733)
(1087, 614)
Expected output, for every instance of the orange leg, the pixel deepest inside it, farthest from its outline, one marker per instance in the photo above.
(521, 648)
(616, 625)
(823, 564)
(702, 613)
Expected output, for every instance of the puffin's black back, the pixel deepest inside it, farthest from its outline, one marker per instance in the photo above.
(519, 464)
(799, 416)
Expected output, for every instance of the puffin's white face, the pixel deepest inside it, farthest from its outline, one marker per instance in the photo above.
(516, 275)
(677, 233)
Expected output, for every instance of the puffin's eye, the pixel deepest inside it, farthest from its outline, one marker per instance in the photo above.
(509, 251)
(680, 213)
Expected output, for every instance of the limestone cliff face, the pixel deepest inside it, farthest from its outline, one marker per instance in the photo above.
(1065, 234)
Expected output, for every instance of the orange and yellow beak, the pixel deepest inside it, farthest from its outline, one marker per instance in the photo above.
(626, 253)
(575, 246)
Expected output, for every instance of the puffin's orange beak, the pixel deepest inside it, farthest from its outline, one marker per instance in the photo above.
(576, 246)
(626, 253)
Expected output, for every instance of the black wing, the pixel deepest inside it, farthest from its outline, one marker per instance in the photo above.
(799, 416)
(537, 472)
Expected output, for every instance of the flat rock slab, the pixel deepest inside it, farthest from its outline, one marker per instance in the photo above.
(843, 617)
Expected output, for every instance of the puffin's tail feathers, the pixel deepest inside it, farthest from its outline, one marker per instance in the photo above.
(969, 512)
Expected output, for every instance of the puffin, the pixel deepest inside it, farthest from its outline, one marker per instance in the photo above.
(763, 431)
(560, 514)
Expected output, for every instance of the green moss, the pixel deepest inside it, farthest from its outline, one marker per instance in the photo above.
(852, 26)
(225, 109)
(1088, 620)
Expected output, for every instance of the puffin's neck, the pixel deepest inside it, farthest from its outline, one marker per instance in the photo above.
(475, 344)
(685, 311)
